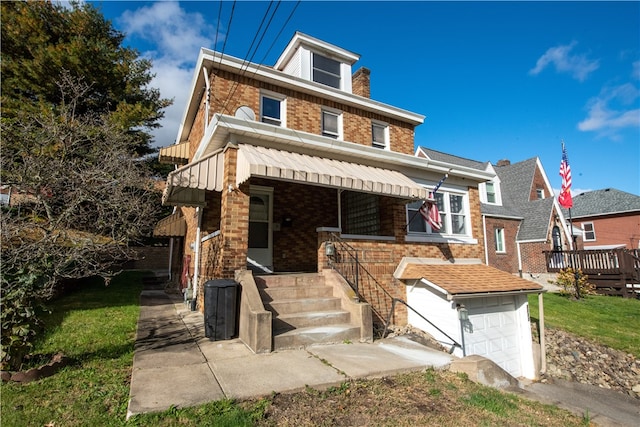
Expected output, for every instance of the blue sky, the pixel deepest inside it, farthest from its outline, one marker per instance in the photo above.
(495, 80)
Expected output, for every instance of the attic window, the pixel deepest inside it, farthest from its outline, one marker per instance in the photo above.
(326, 71)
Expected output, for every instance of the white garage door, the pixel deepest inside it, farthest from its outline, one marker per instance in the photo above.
(493, 332)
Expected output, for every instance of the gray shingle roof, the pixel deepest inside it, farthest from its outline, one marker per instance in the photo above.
(515, 185)
(603, 202)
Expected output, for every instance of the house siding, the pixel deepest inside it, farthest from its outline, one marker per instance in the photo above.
(533, 260)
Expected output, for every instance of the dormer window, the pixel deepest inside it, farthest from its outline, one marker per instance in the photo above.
(326, 71)
(491, 192)
(540, 193)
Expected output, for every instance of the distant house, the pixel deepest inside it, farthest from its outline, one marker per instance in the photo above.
(520, 215)
(608, 219)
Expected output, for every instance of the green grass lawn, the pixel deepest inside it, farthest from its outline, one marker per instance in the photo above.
(95, 327)
(608, 320)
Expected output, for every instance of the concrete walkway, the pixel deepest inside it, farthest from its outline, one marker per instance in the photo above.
(175, 365)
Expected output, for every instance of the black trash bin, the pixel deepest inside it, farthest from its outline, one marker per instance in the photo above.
(220, 307)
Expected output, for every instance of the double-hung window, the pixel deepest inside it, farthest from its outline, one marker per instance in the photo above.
(332, 124)
(491, 192)
(589, 231)
(380, 135)
(326, 71)
(272, 109)
(454, 213)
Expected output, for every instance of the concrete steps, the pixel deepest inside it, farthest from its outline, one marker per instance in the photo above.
(304, 311)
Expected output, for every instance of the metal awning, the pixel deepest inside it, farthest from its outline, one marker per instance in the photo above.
(177, 154)
(288, 166)
(186, 186)
(172, 226)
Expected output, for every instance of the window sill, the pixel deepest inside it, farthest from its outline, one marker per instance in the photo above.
(441, 239)
(367, 237)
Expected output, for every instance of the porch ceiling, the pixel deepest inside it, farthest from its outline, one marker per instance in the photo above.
(288, 166)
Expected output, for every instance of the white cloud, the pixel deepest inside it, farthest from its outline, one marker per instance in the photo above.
(611, 110)
(174, 38)
(578, 65)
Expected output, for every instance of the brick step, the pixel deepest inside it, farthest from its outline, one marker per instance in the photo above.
(294, 292)
(302, 337)
(289, 306)
(286, 322)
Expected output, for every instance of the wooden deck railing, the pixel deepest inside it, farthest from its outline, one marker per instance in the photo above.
(613, 272)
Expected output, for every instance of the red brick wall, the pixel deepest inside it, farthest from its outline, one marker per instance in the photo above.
(532, 257)
(538, 183)
(507, 261)
(621, 229)
(303, 112)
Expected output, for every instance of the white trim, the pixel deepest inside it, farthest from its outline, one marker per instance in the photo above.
(446, 239)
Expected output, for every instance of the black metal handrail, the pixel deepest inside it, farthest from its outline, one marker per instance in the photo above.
(345, 262)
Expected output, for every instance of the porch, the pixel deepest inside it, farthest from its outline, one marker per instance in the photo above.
(612, 272)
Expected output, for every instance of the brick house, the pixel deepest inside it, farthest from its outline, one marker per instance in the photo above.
(289, 169)
(606, 219)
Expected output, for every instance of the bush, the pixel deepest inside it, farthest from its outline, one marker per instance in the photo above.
(567, 279)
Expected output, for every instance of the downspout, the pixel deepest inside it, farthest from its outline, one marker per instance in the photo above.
(486, 247)
(519, 258)
(170, 257)
(196, 268)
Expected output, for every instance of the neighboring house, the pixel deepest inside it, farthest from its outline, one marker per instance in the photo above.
(608, 219)
(294, 167)
(520, 215)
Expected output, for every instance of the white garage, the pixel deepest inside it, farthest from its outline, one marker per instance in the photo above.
(474, 308)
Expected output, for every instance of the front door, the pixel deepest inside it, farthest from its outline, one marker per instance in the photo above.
(260, 253)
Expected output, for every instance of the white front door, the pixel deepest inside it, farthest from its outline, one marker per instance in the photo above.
(260, 251)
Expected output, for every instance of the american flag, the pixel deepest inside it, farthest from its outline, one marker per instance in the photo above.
(430, 213)
(564, 198)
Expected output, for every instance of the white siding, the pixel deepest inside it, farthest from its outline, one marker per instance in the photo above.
(294, 66)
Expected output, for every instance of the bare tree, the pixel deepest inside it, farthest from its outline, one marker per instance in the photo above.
(80, 197)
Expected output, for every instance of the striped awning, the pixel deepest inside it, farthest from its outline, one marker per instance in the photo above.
(172, 226)
(288, 166)
(187, 186)
(177, 154)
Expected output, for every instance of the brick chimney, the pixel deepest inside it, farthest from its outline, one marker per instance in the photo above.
(361, 82)
(504, 162)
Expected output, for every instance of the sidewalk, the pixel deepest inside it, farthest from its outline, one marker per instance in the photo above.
(175, 365)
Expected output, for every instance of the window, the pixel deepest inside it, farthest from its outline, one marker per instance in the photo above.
(361, 213)
(589, 232)
(490, 189)
(540, 193)
(379, 135)
(326, 71)
(453, 209)
(499, 237)
(331, 124)
(272, 110)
